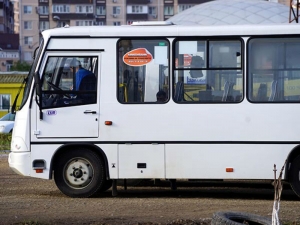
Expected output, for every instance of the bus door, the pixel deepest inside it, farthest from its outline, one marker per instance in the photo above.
(69, 103)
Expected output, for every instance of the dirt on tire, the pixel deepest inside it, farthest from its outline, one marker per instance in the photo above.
(26, 200)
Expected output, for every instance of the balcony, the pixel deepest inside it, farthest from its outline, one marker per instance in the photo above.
(73, 2)
(74, 16)
(137, 17)
(138, 2)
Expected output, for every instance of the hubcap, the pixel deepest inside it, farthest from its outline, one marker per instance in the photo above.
(78, 173)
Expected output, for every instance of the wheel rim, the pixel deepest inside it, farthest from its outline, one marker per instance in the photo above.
(78, 173)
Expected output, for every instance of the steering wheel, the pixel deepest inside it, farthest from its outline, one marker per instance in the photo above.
(57, 89)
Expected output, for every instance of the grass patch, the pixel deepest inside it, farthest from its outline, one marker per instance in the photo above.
(291, 223)
(5, 140)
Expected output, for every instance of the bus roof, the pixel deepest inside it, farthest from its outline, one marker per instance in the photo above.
(172, 30)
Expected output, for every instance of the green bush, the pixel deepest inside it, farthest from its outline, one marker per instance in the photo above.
(5, 140)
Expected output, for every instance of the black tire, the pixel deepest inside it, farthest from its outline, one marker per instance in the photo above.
(79, 173)
(294, 176)
(106, 185)
(238, 218)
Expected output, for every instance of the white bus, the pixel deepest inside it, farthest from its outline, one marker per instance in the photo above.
(232, 107)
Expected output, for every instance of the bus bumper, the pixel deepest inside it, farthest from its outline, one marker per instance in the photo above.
(19, 162)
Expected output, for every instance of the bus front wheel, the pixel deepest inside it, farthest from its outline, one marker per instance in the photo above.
(294, 176)
(79, 173)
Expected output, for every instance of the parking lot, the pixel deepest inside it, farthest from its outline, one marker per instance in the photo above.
(24, 200)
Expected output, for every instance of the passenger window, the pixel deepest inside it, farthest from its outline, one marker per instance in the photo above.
(208, 71)
(143, 71)
(69, 81)
(274, 70)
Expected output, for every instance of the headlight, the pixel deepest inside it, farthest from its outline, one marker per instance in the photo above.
(18, 145)
(2, 128)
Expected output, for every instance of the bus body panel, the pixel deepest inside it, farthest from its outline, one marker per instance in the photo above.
(20, 162)
(242, 122)
(209, 161)
(142, 161)
(46, 151)
(174, 161)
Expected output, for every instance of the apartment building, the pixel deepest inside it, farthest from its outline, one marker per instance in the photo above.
(9, 42)
(6, 17)
(38, 15)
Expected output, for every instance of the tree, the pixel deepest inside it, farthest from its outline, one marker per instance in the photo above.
(20, 66)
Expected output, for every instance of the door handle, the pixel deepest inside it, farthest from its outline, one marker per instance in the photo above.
(89, 112)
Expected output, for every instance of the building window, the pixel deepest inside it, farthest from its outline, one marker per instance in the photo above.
(28, 40)
(28, 25)
(43, 10)
(116, 10)
(152, 10)
(117, 23)
(27, 56)
(169, 11)
(99, 23)
(8, 65)
(137, 9)
(62, 23)
(4, 101)
(44, 25)
(84, 23)
(184, 7)
(101, 10)
(61, 8)
(27, 9)
(84, 9)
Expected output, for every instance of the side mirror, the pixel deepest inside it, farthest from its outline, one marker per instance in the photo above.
(38, 85)
(38, 89)
(34, 54)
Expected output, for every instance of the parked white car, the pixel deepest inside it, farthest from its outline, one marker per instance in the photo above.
(7, 123)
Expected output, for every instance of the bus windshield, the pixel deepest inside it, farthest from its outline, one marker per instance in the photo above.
(30, 75)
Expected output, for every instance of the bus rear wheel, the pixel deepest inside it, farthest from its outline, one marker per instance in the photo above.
(79, 173)
(294, 176)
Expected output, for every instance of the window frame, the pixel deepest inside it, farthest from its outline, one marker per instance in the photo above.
(57, 79)
(2, 97)
(27, 9)
(116, 10)
(101, 10)
(28, 40)
(167, 41)
(60, 8)
(27, 25)
(207, 67)
(168, 10)
(84, 9)
(270, 39)
(43, 10)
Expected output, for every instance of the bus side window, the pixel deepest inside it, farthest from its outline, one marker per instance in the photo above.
(72, 81)
(142, 70)
(210, 71)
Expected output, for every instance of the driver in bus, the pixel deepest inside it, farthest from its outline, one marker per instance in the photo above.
(80, 72)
